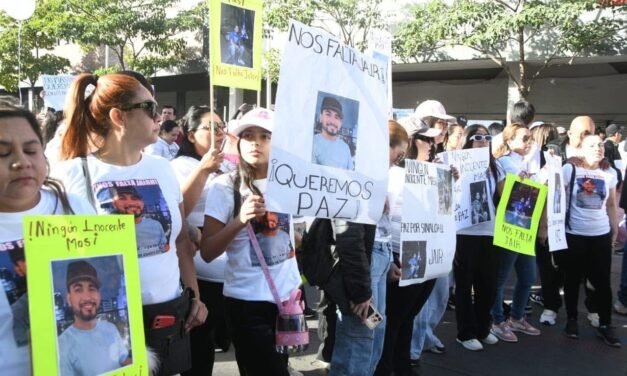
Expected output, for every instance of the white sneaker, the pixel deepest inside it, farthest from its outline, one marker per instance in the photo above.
(594, 319)
(293, 372)
(620, 308)
(548, 317)
(470, 344)
(490, 339)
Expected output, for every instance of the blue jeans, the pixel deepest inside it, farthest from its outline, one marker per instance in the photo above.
(353, 347)
(525, 276)
(379, 266)
(622, 290)
(428, 318)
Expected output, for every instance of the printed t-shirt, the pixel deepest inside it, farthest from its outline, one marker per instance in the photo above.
(331, 153)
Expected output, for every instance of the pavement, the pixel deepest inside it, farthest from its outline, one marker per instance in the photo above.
(551, 353)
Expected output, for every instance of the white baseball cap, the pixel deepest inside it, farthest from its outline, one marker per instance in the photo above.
(257, 117)
(414, 125)
(432, 108)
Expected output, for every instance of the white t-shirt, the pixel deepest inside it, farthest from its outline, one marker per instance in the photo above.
(14, 320)
(243, 278)
(153, 182)
(183, 167)
(588, 213)
(162, 149)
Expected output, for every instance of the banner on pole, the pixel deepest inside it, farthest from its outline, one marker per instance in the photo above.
(555, 203)
(235, 35)
(85, 307)
(518, 214)
(427, 227)
(473, 190)
(329, 156)
(55, 90)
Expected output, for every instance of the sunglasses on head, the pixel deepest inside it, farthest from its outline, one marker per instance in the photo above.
(150, 107)
(481, 137)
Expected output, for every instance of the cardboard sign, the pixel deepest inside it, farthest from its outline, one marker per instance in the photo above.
(55, 90)
(427, 228)
(235, 35)
(473, 190)
(85, 307)
(518, 214)
(329, 156)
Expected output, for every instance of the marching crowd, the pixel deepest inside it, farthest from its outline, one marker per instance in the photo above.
(214, 257)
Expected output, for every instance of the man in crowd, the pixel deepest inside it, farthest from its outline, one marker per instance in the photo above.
(328, 148)
(168, 113)
(613, 137)
(89, 346)
(579, 127)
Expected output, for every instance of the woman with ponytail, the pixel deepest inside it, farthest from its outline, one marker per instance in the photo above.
(117, 116)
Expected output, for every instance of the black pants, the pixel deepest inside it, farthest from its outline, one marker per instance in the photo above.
(252, 325)
(402, 306)
(203, 336)
(551, 277)
(588, 257)
(329, 315)
(475, 268)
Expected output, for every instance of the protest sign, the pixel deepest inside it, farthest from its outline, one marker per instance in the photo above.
(473, 190)
(55, 89)
(235, 35)
(329, 156)
(518, 214)
(85, 307)
(380, 48)
(427, 227)
(555, 203)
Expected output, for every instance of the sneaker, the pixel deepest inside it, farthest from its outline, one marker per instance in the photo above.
(572, 329)
(528, 309)
(620, 308)
(470, 344)
(548, 317)
(504, 332)
(524, 327)
(437, 349)
(537, 298)
(606, 333)
(594, 319)
(293, 372)
(490, 339)
(416, 368)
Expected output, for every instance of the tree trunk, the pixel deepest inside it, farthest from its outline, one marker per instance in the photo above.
(522, 87)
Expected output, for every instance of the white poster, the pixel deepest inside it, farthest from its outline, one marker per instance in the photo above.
(472, 191)
(555, 203)
(329, 156)
(427, 228)
(380, 48)
(55, 89)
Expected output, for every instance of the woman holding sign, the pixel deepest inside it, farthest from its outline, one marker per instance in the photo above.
(516, 145)
(476, 260)
(25, 189)
(590, 232)
(119, 179)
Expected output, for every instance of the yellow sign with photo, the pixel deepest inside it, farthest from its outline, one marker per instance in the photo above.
(85, 302)
(235, 42)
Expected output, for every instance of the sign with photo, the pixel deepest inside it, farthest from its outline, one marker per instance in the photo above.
(427, 227)
(473, 190)
(555, 203)
(518, 214)
(85, 309)
(334, 98)
(235, 35)
(55, 89)
(380, 47)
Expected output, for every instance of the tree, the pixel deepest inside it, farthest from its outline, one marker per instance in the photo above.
(38, 36)
(139, 32)
(514, 31)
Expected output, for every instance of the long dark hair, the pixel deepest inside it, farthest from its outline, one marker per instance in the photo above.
(191, 121)
(412, 149)
(9, 109)
(470, 131)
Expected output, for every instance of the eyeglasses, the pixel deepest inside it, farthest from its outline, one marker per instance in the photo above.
(481, 137)
(150, 107)
(219, 126)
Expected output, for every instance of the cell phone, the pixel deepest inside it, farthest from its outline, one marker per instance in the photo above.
(374, 318)
(224, 141)
(163, 321)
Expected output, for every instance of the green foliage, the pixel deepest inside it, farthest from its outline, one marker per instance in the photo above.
(272, 64)
(512, 31)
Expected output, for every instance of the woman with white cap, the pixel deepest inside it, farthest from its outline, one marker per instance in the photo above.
(235, 204)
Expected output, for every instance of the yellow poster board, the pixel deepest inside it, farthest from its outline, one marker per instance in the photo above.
(235, 33)
(84, 295)
(518, 214)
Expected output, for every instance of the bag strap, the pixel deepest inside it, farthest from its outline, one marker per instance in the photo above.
(90, 192)
(570, 194)
(264, 267)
